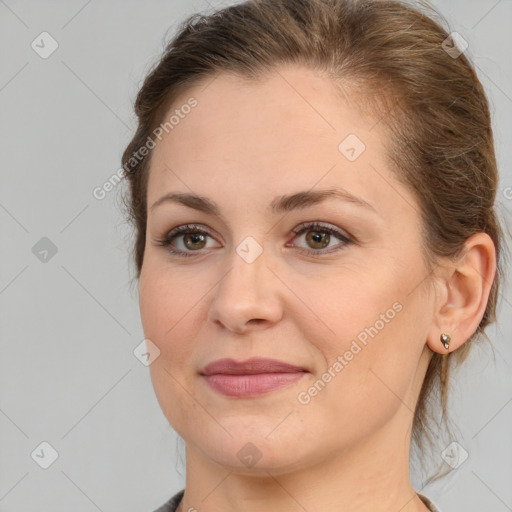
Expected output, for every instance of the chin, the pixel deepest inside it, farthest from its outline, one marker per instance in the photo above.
(256, 459)
(253, 451)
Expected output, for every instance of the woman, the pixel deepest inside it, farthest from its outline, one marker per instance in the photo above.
(312, 185)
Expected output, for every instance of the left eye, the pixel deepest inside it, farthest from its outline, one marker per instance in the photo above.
(318, 237)
(193, 239)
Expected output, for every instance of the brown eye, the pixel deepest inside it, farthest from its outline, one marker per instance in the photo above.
(194, 241)
(318, 239)
(186, 240)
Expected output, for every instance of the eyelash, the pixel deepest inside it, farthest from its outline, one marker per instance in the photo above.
(302, 228)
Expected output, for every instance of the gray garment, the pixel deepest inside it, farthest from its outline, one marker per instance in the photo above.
(429, 504)
(172, 504)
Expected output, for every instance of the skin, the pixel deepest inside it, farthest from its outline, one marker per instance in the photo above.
(245, 144)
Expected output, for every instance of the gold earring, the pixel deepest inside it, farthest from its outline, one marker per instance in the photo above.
(445, 340)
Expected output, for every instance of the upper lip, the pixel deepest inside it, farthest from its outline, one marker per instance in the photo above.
(249, 367)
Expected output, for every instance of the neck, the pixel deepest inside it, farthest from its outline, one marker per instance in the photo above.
(370, 476)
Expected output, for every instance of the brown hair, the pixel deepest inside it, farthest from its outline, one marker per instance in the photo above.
(391, 53)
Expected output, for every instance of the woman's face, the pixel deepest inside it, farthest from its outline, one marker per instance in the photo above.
(345, 303)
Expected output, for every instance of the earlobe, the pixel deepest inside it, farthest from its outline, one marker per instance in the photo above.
(466, 287)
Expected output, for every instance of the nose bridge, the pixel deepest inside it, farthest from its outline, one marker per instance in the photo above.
(246, 268)
(244, 293)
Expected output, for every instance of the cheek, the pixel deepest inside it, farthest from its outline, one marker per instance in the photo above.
(363, 385)
(165, 313)
(167, 303)
(350, 306)
(373, 334)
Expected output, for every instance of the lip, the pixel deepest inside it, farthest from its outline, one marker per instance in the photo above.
(251, 366)
(253, 377)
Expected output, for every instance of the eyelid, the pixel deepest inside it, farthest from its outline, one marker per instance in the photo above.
(185, 228)
(312, 225)
(182, 230)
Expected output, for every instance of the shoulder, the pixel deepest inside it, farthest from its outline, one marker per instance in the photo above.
(430, 505)
(172, 504)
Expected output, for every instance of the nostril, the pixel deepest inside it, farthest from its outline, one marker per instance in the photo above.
(256, 321)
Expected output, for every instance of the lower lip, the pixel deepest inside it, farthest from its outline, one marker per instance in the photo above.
(251, 385)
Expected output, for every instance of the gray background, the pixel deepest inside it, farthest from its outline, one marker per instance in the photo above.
(69, 325)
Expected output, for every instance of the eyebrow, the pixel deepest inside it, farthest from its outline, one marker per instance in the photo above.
(279, 205)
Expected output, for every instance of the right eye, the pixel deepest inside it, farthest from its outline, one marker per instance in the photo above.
(192, 237)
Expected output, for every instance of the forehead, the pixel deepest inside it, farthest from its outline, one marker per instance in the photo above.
(288, 131)
(275, 110)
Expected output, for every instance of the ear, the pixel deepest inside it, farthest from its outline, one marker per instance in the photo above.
(463, 291)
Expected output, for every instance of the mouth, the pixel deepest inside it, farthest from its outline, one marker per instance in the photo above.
(250, 378)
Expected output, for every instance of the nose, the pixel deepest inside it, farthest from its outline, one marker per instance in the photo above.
(247, 296)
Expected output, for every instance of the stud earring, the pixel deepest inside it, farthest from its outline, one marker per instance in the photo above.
(445, 340)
